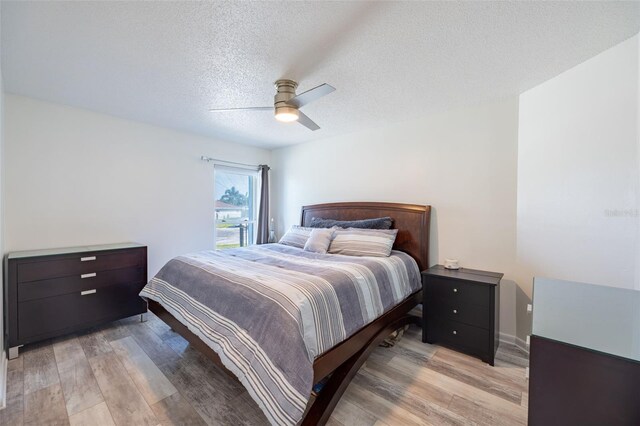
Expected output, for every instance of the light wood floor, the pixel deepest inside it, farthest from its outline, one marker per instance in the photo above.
(133, 373)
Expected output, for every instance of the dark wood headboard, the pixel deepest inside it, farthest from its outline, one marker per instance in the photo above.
(411, 221)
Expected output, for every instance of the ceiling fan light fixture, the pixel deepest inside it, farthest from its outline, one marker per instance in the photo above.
(286, 103)
(287, 114)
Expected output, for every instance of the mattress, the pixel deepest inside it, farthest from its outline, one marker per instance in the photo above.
(268, 311)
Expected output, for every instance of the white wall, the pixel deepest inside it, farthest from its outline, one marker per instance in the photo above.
(76, 177)
(579, 173)
(463, 163)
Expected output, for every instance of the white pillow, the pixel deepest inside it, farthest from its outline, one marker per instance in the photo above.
(296, 236)
(363, 242)
(319, 240)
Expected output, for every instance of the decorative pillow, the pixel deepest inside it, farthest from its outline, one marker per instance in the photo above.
(319, 240)
(296, 236)
(363, 242)
(377, 223)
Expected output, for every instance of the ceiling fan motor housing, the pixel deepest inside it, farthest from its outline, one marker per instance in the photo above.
(286, 89)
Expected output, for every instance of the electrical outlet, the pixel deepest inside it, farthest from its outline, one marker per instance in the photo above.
(528, 340)
(529, 307)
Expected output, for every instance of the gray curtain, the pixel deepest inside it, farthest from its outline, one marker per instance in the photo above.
(263, 211)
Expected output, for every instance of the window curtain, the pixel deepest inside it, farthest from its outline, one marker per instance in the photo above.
(262, 236)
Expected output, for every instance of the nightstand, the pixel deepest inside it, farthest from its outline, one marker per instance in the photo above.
(461, 309)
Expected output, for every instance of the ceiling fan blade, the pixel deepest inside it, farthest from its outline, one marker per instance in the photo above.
(269, 108)
(311, 95)
(307, 122)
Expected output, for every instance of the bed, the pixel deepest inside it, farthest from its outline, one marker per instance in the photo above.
(280, 319)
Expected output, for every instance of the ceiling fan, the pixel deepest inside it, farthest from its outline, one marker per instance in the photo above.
(287, 104)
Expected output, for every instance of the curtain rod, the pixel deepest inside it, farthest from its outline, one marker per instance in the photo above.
(216, 160)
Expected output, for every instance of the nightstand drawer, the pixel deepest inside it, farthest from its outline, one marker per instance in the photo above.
(457, 291)
(447, 309)
(460, 335)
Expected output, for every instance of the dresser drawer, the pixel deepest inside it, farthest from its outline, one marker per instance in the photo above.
(74, 310)
(65, 285)
(82, 263)
(457, 291)
(442, 308)
(460, 335)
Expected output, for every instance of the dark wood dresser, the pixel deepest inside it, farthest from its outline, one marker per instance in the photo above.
(53, 292)
(461, 309)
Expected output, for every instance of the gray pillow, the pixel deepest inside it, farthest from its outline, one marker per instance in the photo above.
(377, 223)
(296, 236)
(319, 240)
(363, 242)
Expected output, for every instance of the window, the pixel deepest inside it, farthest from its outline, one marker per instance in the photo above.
(235, 206)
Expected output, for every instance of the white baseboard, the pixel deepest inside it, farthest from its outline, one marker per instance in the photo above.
(507, 338)
(514, 340)
(3, 380)
(522, 344)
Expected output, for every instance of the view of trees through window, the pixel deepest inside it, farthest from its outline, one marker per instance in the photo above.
(235, 207)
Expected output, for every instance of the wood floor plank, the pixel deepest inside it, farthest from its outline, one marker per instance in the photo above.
(411, 383)
(347, 413)
(402, 396)
(94, 343)
(79, 386)
(13, 412)
(40, 369)
(178, 343)
(214, 374)
(252, 415)
(513, 355)
(478, 414)
(175, 410)
(407, 382)
(98, 415)
(117, 330)
(501, 370)
(45, 407)
(498, 374)
(414, 349)
(15, 364)
(126, 404)
(153, 345)
(159, 327)
(384, 410)
(484, 382)
(207, 393)
(151, 383)
(514, 351)
(334, 422)
(514, 412)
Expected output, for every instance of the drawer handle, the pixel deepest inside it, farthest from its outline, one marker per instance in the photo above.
(91, 275)
(88, 258)
(455, 332)
(455, 290)
(86, 292)
(455, 311)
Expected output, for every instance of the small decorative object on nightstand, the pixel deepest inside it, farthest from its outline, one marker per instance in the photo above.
(272, 233)
(461, 309)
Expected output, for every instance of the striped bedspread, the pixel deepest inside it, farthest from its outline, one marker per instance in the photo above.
(270, 310)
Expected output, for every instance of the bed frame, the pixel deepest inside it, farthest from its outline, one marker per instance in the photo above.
(345, 359)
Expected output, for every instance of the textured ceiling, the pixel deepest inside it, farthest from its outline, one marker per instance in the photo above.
(167, 63)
